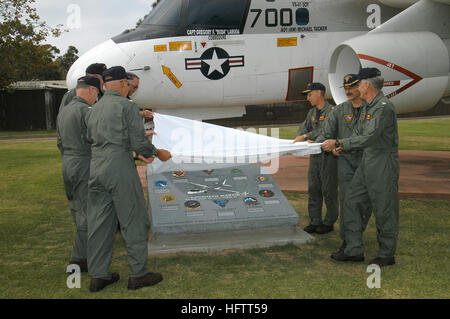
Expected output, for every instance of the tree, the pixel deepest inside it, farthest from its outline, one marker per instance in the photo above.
(155, 3)
(21, 35)
(142, 19)
(40, 65)
(66, 61)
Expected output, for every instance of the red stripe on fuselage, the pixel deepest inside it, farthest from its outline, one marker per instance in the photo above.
(415, 78)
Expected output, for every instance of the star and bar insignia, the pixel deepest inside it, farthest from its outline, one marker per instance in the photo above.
(215, 63)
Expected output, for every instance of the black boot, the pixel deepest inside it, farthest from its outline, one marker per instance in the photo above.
(311, 228)
(323, 229)
(149, 279)
(383, 261)
(98, 284)
(341, 256)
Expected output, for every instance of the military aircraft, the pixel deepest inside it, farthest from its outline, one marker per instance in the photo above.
(207, 59)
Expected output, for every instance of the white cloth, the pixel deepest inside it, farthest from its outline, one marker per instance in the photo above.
(197, 146)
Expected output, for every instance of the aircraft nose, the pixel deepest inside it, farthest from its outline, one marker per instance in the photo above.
(107, 52)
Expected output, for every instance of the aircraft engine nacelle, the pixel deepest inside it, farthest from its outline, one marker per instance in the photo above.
(415, 66)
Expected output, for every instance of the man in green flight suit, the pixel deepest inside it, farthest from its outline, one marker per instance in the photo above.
(95, 70)
(342, 123)
(76, 152)
(376, 179)
(115, 130)
(322, 172)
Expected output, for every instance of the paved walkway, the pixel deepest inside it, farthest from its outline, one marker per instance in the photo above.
(423, 174)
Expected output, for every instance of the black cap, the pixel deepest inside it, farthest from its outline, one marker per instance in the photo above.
(368, 73)
(114, 73)
(313, 87)
(96, 68)
(350, 80)
(90, 80)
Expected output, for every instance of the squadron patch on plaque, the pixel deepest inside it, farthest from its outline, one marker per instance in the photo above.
(160, 184)
(192, 204)
(261, 179)
(168, 199)
(209, 172)
(222, 203)
(250, 201)
(179, 174)
(236, 171)
(266, 193)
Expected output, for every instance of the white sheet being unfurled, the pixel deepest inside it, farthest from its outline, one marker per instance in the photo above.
(197, 146)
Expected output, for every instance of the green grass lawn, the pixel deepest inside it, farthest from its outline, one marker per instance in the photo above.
(26, 133)
(427, 135)
(37, 232)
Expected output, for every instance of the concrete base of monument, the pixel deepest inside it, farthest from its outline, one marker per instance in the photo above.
(235, 239)
(238, 207)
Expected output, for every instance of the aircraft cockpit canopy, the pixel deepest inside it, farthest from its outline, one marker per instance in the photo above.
(167, 12)
(172, 18)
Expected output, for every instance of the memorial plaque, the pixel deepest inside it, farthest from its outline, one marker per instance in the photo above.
(216, 201)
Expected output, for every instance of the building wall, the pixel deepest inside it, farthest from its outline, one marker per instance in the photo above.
(29, 109)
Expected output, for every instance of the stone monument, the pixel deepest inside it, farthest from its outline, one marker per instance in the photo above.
(219, 209)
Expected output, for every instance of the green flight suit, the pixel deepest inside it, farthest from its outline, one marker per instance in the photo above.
(67, 98)
(76, 152)
(342, 123)
(322, 172)
(115, 129)
(376, 179)
(69, 95)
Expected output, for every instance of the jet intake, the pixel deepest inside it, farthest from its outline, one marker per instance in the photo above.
(415, 66)
(401, 4)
